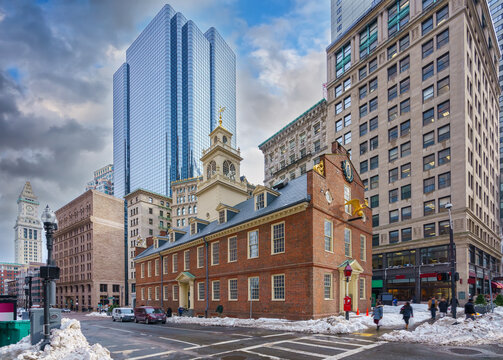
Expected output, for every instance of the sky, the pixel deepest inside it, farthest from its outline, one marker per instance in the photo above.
(57, 59)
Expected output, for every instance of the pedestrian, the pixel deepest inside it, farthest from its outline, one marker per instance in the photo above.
(378, 314)
(407, 313)
(432, 306)
(470, 309)
(395, 301)
(443, 305)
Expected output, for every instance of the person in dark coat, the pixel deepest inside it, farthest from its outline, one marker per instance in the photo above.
(470, 309)
(378, 314)
(432, 306)
(407, 313)
(443, 305)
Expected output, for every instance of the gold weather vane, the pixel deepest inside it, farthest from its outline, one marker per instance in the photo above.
(220, 111)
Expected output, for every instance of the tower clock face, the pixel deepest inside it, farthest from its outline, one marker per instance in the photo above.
(29, 208)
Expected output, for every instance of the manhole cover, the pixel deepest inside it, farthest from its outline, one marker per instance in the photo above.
(465, 351)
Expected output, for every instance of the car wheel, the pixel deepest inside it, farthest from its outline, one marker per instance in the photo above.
(164, 322)
(113, 319)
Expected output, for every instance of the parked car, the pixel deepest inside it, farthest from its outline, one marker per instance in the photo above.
(65, 310)
(149, 314)
(122, 314)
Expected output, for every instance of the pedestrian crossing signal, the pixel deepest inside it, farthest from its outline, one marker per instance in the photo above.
(442, 277)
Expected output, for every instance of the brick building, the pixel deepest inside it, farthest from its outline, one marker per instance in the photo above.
(8, 272)
(88, 248)
(284, 249)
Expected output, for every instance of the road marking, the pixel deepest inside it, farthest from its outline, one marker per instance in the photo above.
(273, 335)
(363, 334)
(260, 354)
(111, 328)
(185, 342)
(243, 335)
(152, 355)
(215, 344)
(352, 352)
(297, 351)
(345, 337)
(124, 352)
(323, 346)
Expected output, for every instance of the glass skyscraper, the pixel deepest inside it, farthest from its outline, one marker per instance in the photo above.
(166, 99)
(345, 13)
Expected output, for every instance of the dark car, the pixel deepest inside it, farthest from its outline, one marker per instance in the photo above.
(149, 315)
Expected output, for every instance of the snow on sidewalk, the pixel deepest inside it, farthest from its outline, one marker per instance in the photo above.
(94, 313)
(486, 329)
(67, 343)
(328, 325)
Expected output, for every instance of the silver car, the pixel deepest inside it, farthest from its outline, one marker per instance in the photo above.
(122, 314)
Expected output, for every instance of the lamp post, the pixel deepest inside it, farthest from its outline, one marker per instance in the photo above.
(347, 273)
(452, 257)
(27, 281)
(50, 272)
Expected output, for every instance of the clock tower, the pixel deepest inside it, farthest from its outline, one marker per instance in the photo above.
(28, 228)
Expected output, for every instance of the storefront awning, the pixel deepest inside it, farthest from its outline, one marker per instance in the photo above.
(497, 285)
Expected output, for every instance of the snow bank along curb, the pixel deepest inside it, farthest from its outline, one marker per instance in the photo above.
(486, 329)
(94, 313)
(67, 343)
(329, 325)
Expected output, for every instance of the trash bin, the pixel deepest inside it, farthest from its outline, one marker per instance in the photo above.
(13, 331)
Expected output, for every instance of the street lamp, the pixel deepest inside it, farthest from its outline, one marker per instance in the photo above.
(347, 273)
(452, 256)
(49, 272)
(28, 281)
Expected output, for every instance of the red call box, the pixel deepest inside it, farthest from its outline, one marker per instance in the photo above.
(347, 303)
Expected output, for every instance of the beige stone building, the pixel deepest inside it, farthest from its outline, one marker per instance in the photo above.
(420, 82)
(89, 250)
(297, 146)
(184, 201)
(149, 213)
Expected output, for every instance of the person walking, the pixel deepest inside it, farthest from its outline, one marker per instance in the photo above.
(395, 301)
(443, 305)
(378, 314)
(432, 306)
(470, 309)
(407, 313)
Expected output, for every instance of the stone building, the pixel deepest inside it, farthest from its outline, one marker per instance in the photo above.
(297, 146)
(17, 286)
(420, 81)
(184, 200)
(89, 250)
(149, 213)
(281, 252)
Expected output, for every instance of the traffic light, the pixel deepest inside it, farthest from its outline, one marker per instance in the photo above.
(442, 277)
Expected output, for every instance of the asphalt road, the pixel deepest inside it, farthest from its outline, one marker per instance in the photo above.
(174, 341)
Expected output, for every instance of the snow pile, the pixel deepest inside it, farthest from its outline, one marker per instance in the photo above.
(67, 343)
(329, 325)
(486, 329)
(94, 313)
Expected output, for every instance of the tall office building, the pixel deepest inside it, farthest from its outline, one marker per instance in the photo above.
(166, 100)
(496, 8)
(415, 84)
(28, 228)
(103, 180)
(344, 13)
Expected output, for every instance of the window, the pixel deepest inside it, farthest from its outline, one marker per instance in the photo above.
(429, 207)
(406, 234)
(393, 133)
(428, 116)
(374, 182)
(428, 139)
(398, 16)
(215, 253)
(443, 86)
(233, 289)
(215, 294)
(373, 104)
(406, 192)
(157, 292)
(174, 262)
(149, 269)
(374, 162)
(429, 185)
(347, 197)
(393, 216)
(393, 154)
(442, 14)
(175, 292)
(363, 129)
(253, 244)
(278, 238)
(404, 64)
(365, 184)
(427, 48)
(347, 120)
(404, 42)
(362, 73)
(405, 106)
(221, 219)
(427, 26)
(347, 102)
(347, 84)
(404, 86)
(338, 90)
(428, 162)
(443, 110)
(368, 39)
(375, 242)
(165, 293)
(393, 196)
(392, 51)
(149, 293)
(372, 65)
(361, 291)
(343, 59)
(363, 149)
(259, 204)
(232, 249)
(428, 71)
(364, 165)
(317, 146)
(444, 133)
(373, 124)
(391, 72)
(363, 248)
(444, 180)
(328, 236)
(278, 287)
(443, 227)
(327, 284)
(253, 289)
(392, 113)
(393, 175)
(406, 213)
(374, 201)
(338, 125)
(442, 38)
(428, 93)
(405, 149)
(372, 85)
(200, 256)
(338, 108)
(393, 237)
(392, 92)
(429, 230)
(442, 202)
(405, 128)
(165, 265)
(347, 242)
(375, 220)
(444, 156)
(374, 143)
(443, 62)
(347, 138)
(363, 110)
(362, 91)
(200, 291)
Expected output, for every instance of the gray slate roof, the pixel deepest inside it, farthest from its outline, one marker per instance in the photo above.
(295, 192)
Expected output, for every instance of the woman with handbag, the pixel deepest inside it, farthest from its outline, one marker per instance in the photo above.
(378, 314)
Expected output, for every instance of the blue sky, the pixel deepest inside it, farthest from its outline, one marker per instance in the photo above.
(56, 66)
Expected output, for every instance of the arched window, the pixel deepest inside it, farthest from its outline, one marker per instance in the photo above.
(215, 139)
(190, 210)
(195, 209)
(229, 170)
(224, 139)
(211, 169)
(183, 211)
(178, 212)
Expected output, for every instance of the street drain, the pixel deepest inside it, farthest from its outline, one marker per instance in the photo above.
(462, 351)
